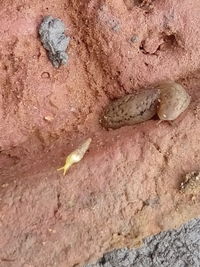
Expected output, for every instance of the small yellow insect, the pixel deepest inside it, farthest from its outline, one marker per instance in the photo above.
(75, 156)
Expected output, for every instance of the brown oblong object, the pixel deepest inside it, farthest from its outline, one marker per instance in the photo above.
(173, 100)
(131, 109)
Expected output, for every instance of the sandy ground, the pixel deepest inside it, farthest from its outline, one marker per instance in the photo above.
(128, 184)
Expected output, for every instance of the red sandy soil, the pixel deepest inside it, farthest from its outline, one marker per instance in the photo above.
(127, 185)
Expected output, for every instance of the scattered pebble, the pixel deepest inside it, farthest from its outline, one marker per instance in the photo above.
(116, 28)
(48, 118)
(4, 185)
(52, 230)
(134, 38)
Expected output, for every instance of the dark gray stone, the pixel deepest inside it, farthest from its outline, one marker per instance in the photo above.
(54, 40)
(173, 248)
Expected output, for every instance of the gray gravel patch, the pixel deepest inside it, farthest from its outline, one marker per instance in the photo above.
(173, 248)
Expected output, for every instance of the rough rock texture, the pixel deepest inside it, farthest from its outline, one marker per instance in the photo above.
(52, 34)
(178, 248)
(127, 185)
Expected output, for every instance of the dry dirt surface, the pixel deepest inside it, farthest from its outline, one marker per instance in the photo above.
(129, 184)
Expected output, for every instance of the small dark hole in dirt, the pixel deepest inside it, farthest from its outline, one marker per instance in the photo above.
(141, 47)
(170, 40)
(159, 48)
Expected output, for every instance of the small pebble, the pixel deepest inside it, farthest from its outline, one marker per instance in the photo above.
(48, 118)
(134, 39)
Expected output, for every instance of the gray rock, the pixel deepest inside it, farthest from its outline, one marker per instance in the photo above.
(54, 40)
(173, 248)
